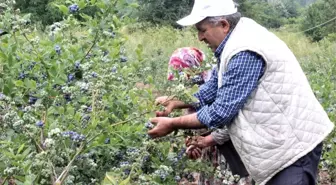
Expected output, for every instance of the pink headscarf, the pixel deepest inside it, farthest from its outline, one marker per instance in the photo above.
(187, 57)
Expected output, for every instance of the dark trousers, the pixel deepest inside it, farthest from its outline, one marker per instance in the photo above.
(233, 159)
(302, 172)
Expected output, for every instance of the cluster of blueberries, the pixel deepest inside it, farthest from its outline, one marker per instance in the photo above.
(74, 136)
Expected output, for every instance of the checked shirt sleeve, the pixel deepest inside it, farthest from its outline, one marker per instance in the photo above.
(240, 79)
(207, 92)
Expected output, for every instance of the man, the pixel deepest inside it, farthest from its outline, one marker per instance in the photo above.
(260, 93)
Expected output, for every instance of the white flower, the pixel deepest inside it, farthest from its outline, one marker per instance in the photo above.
(54, 132)
(49, 142)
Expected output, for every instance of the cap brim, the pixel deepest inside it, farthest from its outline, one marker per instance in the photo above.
(190, 20)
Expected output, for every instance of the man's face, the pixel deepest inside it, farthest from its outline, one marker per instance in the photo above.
(212, 34)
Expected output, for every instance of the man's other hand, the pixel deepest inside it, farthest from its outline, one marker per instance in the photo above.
(163, 127)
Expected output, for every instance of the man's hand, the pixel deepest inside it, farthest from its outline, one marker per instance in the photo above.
(194, 152)
(170, 104)
(202, 142)
(164, 126)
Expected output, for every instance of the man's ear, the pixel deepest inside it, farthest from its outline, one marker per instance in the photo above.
(225, 25)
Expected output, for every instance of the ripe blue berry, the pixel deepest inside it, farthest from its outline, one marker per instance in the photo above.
(197, 80)
(94, 74)
(114, 69)
(67, 97)
(77, 65)
(2, 96)
(73, 8)
(123, 59)
(107, 141)
(32, 100)
(149, 125)
(58, 49)
(105, 53)
(71, 77)
(39, 123)
(22, 75)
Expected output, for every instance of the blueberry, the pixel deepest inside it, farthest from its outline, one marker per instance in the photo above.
(114, 69)
(71, 77)
(88, 56)
(163, 177)
(22, 75)
(86, 118)
(39, 123)
(107, 141)
(73, 8)
(89, 109)
(177, 178)
(180, 154)
(58, 49)
(149, 125)
(197, 80)
(124, 163)
(77, 65)
(94, 74)
(105, 53)
(32, 100)
(127, 171)
(113, 34)
(31, 65)
(146, 159)
(123, 59)
(2, 96)
(67, 97)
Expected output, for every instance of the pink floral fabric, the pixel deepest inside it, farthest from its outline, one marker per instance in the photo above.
(186, 57)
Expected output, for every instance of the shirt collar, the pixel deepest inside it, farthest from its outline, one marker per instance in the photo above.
(220, 48)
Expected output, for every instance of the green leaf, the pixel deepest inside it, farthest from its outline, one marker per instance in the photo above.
(81, 4)
(3, 56)
(31, 84)
(19, 83)
(29, 179)
(126, 181)
(70, 110)
(109, 179)
(134, 5)
(21, 148)
(63, 9)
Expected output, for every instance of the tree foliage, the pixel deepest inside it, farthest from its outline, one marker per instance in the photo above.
(164, 11)
(316, 14)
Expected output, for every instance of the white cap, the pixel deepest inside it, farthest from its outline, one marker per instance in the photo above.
(208, 8)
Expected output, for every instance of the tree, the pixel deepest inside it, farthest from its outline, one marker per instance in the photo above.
(164, 11)
(313, 16)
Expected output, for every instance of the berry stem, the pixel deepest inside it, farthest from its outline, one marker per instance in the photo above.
(93, 44)
(122, 122)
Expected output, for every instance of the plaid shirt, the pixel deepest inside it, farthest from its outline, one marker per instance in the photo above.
(218, 107)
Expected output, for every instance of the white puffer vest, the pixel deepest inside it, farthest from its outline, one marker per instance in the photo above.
(282, 120)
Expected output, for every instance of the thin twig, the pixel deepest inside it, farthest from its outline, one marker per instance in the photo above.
(53, 178)
(65, 172)
(122, 122)
(93, 44)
